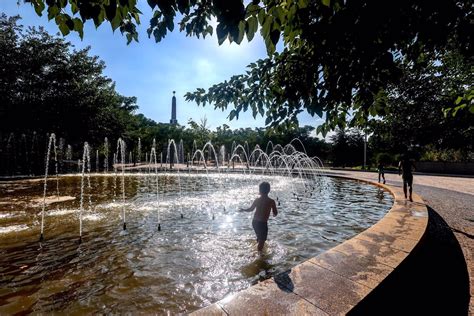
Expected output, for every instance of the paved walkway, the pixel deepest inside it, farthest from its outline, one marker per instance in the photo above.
(452, 198)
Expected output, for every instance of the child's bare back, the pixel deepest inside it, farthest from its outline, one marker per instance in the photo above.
(263, 205)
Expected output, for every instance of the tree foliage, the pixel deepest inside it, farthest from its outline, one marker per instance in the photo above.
(337, 57)
(415, 119)
(46, 85)
(347, 148)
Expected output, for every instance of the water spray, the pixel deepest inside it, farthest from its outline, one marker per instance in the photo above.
(86, 167)
(48, 151)
(121, 151)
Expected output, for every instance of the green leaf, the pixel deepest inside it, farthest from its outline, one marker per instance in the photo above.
(269, 45)
(64, 28)
(261, 16)
(327, 3)
(39, 7)
(183, 6)
(266, 27)
(169, 23)
(458, 100)
(115, 23)
(79, 27)
(221, 31)
(280, 14)
(252, 10)
(69, 22)
(242, 25)
(275, 36)
(52, 12)
(136, 16)
(99, 18)
(111, 10)
(74, 8)
(232, 115)
(209, 30)
(252, 26)
(303, 3)
(152, 3)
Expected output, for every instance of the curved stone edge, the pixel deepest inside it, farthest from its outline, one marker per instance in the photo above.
(338, 279)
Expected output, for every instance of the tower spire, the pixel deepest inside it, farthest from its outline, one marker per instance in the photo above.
(173, 120)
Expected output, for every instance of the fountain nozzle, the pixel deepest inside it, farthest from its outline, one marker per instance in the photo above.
(41, 237)
(213, 217)
(159, 227)
(278, 203)
(124, 226)
(182, 216)
(80, 240)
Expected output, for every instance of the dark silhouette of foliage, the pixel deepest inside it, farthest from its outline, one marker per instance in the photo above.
(337, 56)
(415, 117)
(347, 148)
(46, 85)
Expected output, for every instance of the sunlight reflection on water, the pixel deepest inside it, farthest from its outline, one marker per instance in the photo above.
(190, 263)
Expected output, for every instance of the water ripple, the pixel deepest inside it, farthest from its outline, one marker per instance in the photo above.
(190, 263)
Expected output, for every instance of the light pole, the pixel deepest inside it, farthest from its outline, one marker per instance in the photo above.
(365, 148)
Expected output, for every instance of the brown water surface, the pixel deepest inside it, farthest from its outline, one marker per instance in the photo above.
(189, 264)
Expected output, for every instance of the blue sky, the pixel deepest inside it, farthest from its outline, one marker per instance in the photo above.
(151, 71)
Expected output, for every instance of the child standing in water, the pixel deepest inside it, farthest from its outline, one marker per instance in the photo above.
(264, 205)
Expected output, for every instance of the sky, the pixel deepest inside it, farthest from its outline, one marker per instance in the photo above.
(152, 71)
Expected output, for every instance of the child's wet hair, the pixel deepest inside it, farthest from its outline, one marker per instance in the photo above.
(264, 188)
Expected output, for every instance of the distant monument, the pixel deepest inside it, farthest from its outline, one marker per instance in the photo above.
(173, 120)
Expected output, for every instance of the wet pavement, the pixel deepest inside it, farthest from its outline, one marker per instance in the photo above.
(453, 199)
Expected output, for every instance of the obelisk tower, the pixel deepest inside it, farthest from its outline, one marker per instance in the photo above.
(173, 120)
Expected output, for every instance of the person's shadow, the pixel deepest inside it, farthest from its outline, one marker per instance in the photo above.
(265, 270)
(284, 281)
(260, 266)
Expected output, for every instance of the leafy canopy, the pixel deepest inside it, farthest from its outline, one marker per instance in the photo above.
(415, 117)
(48, 86)
(337, 55)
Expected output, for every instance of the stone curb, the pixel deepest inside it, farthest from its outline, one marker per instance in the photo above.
(338, 279)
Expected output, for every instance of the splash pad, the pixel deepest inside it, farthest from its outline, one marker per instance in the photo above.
(184, 245)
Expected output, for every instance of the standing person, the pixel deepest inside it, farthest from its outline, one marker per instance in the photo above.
(380, 169)
(405, 168)
(263, 206)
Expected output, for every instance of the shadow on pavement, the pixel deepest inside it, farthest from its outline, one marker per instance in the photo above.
(433, 280)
